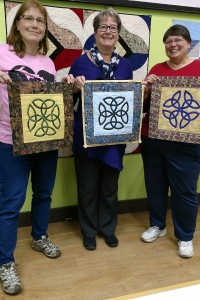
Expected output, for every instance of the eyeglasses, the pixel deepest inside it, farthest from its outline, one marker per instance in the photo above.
(104, 28)
(30, 20)
(175, 41)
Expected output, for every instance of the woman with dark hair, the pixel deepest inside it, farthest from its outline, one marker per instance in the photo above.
(171, 164)
(22, 59)
(98, 168)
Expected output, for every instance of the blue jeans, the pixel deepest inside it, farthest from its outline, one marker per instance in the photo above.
(14, 175)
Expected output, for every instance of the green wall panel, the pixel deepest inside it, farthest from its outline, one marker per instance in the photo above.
(131, 182)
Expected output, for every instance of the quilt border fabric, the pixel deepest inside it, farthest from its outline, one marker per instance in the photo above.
(181, 109)
(14, 92)
(90, 87)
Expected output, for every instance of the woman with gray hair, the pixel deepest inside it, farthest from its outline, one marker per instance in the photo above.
(98, 168)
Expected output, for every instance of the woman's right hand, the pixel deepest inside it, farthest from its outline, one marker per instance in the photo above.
(78, 84)
(148, 81)
(4, 77)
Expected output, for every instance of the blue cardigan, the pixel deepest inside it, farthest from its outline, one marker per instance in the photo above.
(110, 155)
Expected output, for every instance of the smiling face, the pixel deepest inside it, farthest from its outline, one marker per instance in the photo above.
(106, 40)
(31, 27)
(176, 47)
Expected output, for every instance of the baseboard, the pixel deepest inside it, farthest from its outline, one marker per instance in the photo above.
(71, 212)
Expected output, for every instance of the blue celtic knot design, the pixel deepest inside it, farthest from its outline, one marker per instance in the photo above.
(113, 113)
(46, 113)
(189, 110)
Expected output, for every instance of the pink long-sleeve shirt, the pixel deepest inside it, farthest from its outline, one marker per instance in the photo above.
(27, 68)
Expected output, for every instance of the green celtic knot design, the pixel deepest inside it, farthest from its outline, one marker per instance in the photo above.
(46, 113)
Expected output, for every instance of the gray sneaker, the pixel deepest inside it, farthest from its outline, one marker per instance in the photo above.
(152, 233)
(10, 280)
(46, 246)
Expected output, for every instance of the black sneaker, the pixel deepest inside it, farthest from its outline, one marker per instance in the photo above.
(111, 240)
(89, 243)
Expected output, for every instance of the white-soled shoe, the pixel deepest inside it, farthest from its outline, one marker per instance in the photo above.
(152, 233)
(185, 249)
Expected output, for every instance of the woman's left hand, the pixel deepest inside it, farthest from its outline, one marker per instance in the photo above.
(68, 79)
(78, 84)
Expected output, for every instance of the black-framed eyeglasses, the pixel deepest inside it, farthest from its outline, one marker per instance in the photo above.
(30, 20)
(104, 28)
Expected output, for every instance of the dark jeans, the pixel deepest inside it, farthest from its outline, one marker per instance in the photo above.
(14, 175)
(176, 166)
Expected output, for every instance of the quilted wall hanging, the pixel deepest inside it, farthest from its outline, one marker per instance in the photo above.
(175, 109)
(41, 116)
(71, 33)
(112, 112)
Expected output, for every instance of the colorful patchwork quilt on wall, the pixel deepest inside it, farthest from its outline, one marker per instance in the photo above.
(71, 33)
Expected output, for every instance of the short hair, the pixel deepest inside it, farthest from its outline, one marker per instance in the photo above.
(178, 30)
(14, 38)
(109, 12)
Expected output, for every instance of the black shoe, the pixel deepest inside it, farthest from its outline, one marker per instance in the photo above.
(111, 240)
(89, 243)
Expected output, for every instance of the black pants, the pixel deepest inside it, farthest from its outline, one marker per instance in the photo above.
(97, 186)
